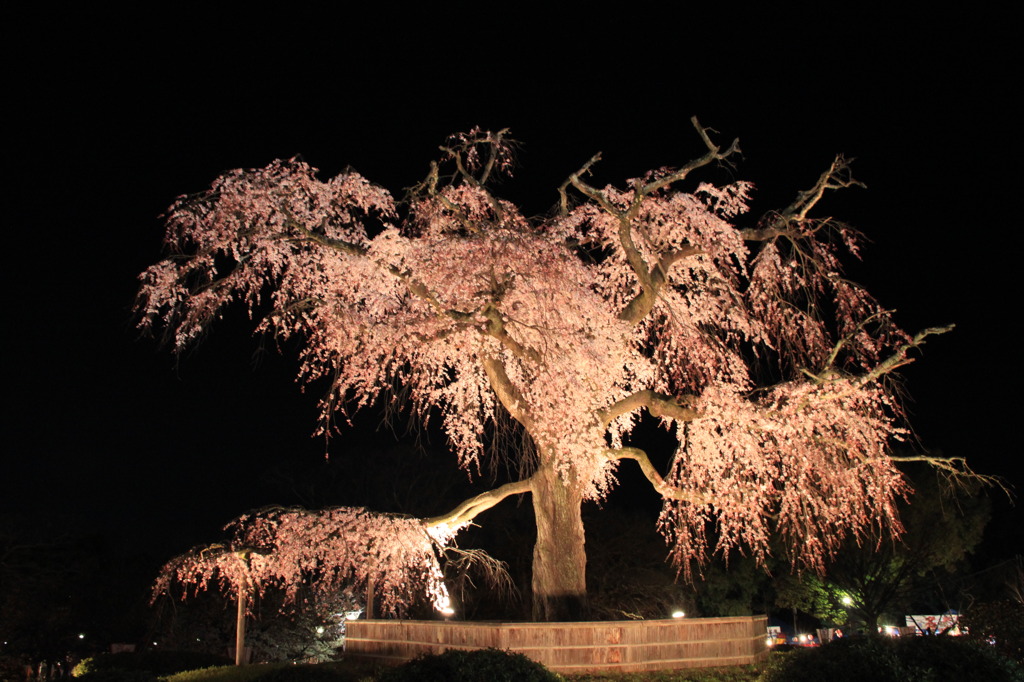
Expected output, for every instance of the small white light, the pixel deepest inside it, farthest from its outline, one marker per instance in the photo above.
(678, 614)
(81, 635)
(447, 611)
(847, 600)
(320, 630)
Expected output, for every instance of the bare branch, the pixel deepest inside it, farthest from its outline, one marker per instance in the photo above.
(899, 358)
(464, 562)
(956, 470)
(588, 191)
(836, 177)
(495, 141)
(641, 304)
(713, 154)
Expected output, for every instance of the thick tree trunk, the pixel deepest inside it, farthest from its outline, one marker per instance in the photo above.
(559, 557)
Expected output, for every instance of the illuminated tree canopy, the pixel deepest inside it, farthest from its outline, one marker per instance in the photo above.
(771, 369)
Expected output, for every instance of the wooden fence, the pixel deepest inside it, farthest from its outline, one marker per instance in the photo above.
(605, 646)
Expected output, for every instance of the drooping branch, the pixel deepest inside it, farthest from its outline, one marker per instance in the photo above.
(656, 479)
(956, 470)
(464, 150)
(858, 329)
(469, 509)
(415, 287)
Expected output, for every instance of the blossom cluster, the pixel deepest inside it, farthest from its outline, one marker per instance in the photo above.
(327, 551)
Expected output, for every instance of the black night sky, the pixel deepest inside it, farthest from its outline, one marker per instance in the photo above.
(110, 118)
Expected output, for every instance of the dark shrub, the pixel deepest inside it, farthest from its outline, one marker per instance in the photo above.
(322, 672)
(155, 662)
(855, 659)
(1001, 622)
(957, 658)
(117, 675)
(488, 665)
(923, 659)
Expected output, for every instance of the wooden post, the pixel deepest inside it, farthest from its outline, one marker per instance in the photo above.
(243, 587)
(240, 627)
(370, 589)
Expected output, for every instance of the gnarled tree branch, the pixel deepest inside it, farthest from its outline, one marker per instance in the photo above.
(469, 509)
(657, 481)
(836, 177)
(650, 279)
(657, 404)
(507, 393)
(899, 358)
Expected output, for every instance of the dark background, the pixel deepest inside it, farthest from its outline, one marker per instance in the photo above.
(111, 116)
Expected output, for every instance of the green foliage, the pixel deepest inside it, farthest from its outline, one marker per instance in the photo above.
(116, 675)
(1001, 622)
(226, 673)
(490, 665)
(880, 576)
(733, 587)
(893, 660)
(158, 663)
(814, 595)
(344, 671)
(308, 673)
(279, 632)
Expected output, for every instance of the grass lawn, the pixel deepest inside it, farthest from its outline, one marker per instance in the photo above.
(733, 674)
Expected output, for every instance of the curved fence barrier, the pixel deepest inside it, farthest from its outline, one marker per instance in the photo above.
(600, 646)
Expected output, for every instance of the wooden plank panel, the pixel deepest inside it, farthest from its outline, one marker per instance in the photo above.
(608, 646)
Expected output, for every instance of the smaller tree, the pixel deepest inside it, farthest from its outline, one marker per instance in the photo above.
(392, 557)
